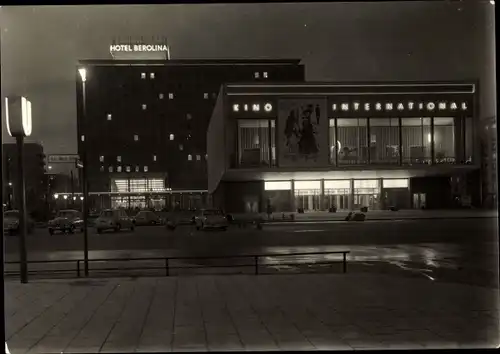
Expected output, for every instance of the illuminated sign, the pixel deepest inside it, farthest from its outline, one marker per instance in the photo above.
(138, 48)
(254, 107)
(407, 106)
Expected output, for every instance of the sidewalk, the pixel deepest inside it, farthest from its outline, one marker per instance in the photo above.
(319, 216)
(276, 312)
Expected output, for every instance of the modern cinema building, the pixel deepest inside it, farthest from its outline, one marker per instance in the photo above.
(317, 145)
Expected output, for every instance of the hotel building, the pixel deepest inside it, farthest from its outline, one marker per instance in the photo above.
(145, 123)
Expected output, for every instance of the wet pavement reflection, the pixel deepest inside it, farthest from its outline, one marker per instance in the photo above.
(458, 251)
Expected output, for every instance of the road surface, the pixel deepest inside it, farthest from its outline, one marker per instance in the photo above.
(460, 250)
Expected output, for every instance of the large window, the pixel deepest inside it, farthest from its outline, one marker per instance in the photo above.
(137, 185)
(384, 141)
(352, 141)
(256, 142)
(416, 140)
(444, 140)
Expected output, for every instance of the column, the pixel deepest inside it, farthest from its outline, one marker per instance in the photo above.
(433, 152)
(292, 197)
(381, 197)
(351, 195)
(400, 133)
(322, 205)
(459, 137)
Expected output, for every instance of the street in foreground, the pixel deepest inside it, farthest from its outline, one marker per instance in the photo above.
(464, 251)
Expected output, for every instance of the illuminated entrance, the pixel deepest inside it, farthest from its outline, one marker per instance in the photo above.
(367, 194)
(308, 195)
(138, 186)
(337, 194)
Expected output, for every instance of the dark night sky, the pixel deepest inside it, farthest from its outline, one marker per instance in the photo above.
(337, 41)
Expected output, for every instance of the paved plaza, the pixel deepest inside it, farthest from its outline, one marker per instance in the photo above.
(268, 312)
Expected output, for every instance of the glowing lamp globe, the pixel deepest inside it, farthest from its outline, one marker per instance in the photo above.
(18, 116)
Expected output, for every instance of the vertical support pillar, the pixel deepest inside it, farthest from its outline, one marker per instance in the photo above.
(433, 148)
(322, 205)
(336, 150)
(292, 196)
(400, 131)
(381, 196)
(368, 142)
(351, 195)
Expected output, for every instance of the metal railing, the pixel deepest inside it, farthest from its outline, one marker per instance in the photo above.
(167, 263)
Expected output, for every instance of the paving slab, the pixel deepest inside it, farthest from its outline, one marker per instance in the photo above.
(247, 312)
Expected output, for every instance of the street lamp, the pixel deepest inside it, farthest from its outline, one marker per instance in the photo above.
(65, 197)
(10, 184)
(83, 132)
(19, 126)
(56, 196)
(83, 74)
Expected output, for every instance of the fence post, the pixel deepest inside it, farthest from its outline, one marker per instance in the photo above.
(345, 262)
(167, 271)
(256, 265)
(78, 268)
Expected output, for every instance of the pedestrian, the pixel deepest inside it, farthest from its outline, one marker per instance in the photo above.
(269, 210)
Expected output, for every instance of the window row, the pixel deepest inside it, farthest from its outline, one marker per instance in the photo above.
(198, 157)
(401, 141)
(119, 158)
(358, 141)
(144, 75)
(205, 94)
(144, 107)
(124, 169)
(259, 75)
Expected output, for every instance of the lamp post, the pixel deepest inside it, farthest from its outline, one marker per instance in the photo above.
(85, 206)
(18, 121)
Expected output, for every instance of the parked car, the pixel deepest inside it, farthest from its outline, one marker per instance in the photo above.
(66, 221)
(176, 218)
(146, 217)
(116, 220)
(11, 223)
(211, 219)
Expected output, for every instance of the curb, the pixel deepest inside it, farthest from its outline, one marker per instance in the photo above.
(277, 222)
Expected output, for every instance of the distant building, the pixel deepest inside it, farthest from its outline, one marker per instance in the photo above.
(34, 172)
(147, 120)
(315, 146)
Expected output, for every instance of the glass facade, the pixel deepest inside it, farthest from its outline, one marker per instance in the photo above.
(337, 194)
(308, 195)
(384, 141)
(416, 140)
(445, 150)
(370, 141)
(137, 185)
(352, 141)
(256, 142)
(342, 194)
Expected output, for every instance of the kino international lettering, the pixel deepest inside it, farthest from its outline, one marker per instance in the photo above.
(138, 48)
(399, 106)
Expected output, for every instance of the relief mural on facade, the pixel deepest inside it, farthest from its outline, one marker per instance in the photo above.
(303, 132)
